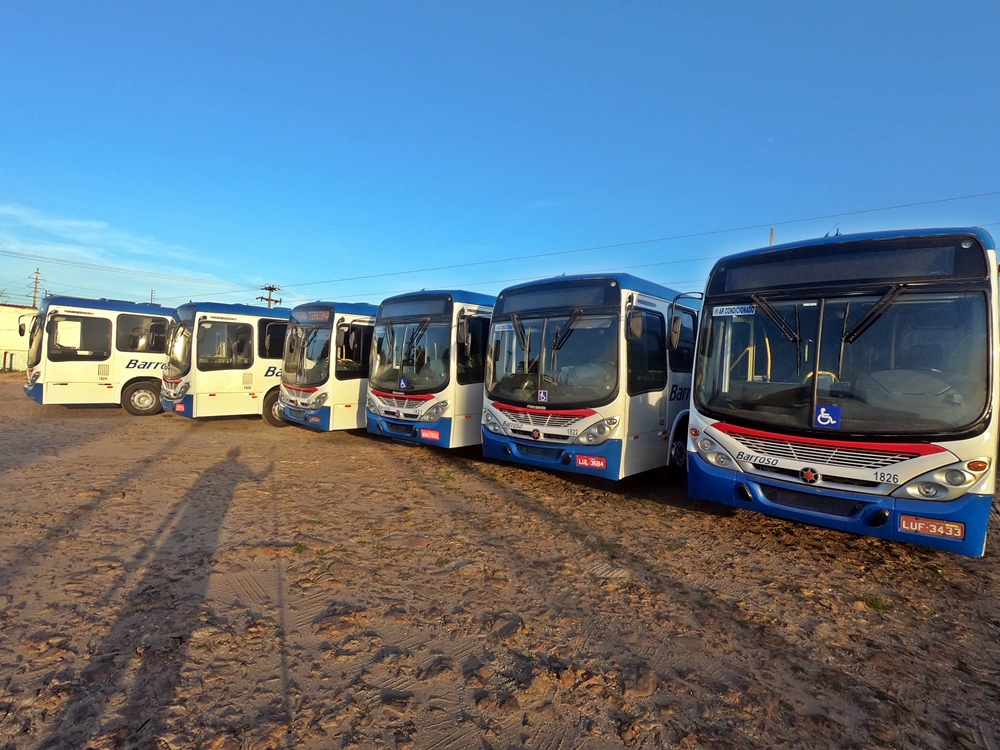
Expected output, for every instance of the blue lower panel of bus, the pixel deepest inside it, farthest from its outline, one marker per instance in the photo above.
(429, 433)
(184, 407)
(871, 515)
(317, 419)
(602, 460)
(34, 392)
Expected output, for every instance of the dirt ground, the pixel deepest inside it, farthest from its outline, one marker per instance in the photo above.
(224, 584)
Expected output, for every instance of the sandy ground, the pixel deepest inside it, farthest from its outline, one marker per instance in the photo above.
(223, 584)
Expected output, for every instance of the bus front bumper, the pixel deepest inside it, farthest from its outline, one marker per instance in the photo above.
(315, 419)
(869, 515)
(602, 460)
(34, 392)
(427, 433)
(183, 406)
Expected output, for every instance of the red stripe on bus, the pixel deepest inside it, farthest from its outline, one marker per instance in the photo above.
(923, 449)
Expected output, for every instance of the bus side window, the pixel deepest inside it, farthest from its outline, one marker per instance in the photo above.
(224, 346)
(647, 356)
(79, 339)
(682, 358)
(472, 363)
(271, 339)
(141, 333)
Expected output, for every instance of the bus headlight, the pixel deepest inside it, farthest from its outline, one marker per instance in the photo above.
(715, 454)
(598, 433)
(372, 407)
(491, 422)
(947, 483)
(318, 400)
(435, 412)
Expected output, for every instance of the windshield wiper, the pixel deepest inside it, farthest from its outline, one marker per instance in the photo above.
(779, 321)
(412, 341)
(564, 334)
(519, 331)
(873, 314)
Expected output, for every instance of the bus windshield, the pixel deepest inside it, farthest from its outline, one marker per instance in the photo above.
(35, 339)
(307, 354)
(561, 359)
(411, 356)
(178, 349)
(902, 362)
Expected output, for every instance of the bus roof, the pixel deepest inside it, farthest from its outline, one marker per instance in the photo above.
(349, 308)
(115, 305)
(625, 281)
(458, 295)
(891, 234)
(230, 309)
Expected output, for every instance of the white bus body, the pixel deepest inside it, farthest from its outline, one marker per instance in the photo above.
(580, 376)
(313, 393)
(97, 351)
(225, 360)
(426, 376)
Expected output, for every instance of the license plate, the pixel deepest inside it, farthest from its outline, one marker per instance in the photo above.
(592, 462)
(430, 434)
(932, 527)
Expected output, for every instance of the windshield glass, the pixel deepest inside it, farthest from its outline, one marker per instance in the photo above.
(307, 354)
(178, 350)
(411, 356)
(35, 340)
(565, 359)
(893, 364)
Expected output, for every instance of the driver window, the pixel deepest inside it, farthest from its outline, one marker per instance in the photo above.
(647, 356)
(224, 346)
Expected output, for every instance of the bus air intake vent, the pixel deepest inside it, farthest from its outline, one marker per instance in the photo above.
(540, 419)
(398, 403)
(831, 506)
(248, 378)
(103, 371)
(537, 451)
(822, 454)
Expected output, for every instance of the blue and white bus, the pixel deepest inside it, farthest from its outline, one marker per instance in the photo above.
(849, 382)
(97, 351)
(426, 378)
(580, 375)
(324, 378)
(225, 360)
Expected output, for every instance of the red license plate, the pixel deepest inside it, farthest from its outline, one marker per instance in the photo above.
(430, 434)
(179, 408)
(932, 527)
(592, 462)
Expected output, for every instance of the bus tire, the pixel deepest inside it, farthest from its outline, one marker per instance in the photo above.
(142, 399)
(272, 410)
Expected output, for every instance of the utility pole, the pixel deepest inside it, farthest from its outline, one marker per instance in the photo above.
(34, 294)
(772, 237)
(152, 296)
(270, 289)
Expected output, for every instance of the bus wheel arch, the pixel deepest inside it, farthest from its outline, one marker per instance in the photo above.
(271, 412)
(677, 450)
(141, 397)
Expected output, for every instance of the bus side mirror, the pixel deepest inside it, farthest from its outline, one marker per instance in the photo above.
(634, 330)
(341, 333)
(20, 329)
(50, 327)
(675, 332)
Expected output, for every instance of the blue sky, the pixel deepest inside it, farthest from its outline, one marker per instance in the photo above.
(211, 148)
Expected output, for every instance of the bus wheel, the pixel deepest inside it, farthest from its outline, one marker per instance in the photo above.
(142, 399)
(272, 410)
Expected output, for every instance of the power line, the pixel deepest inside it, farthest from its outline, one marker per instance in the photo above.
(632, 243)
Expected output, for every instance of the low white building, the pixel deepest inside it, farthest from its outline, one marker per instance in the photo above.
(13, 347)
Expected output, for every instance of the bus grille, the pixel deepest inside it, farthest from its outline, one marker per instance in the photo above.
(540, 419)
(400, 403)
(832, 506)
(821, 454)
(536, 451)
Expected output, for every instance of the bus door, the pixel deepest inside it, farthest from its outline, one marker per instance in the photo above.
(646, 378)
(224, 360)
(470, 370)
(78, 353)
(349, 380)
(678, 397)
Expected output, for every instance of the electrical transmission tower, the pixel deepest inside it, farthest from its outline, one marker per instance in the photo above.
(34, 294)
(270, 289)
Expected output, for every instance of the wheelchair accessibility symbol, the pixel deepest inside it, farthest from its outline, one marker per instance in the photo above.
(828, 417)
